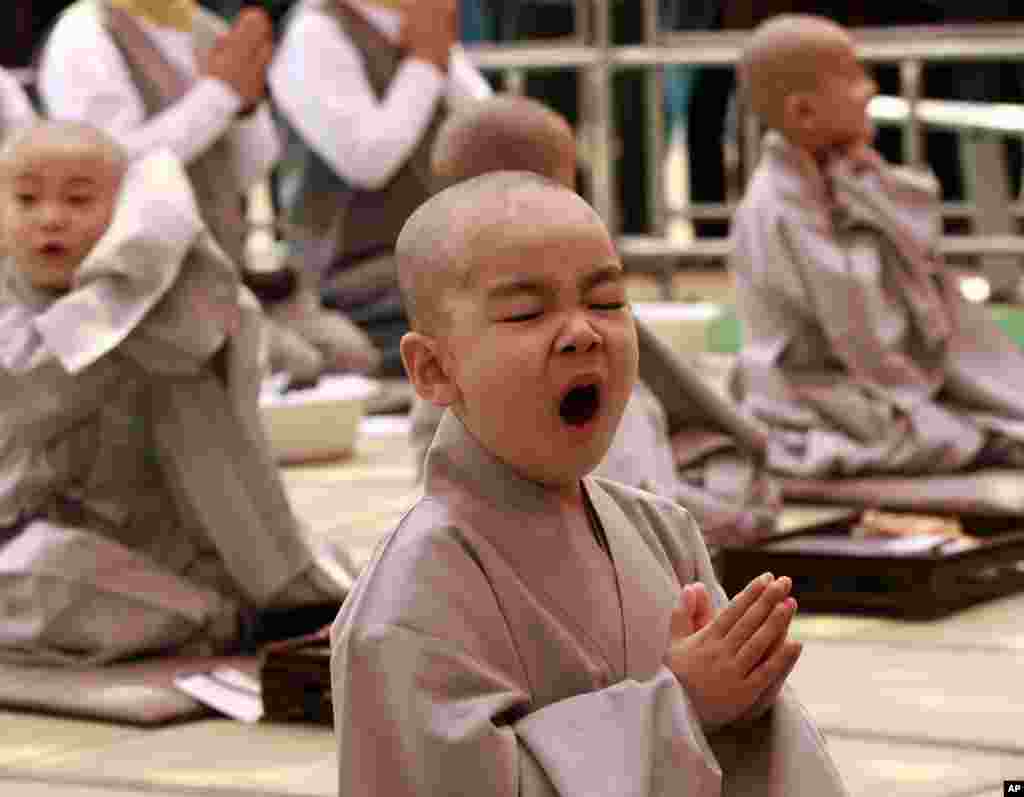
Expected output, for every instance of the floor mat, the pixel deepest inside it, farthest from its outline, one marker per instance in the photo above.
(139, 693)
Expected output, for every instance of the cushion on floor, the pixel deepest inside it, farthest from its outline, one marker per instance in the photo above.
(137, 693)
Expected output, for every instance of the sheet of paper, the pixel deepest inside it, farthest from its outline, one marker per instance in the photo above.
(228, 691)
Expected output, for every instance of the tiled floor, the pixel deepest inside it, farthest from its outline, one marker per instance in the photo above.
(910, 709)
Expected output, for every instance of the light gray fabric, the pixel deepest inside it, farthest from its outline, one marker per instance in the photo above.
(130, 433)
(472, 658)
(139, 693)
(860, 353)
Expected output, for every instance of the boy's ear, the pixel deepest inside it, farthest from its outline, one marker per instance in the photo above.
(799, 109)
(422, 357)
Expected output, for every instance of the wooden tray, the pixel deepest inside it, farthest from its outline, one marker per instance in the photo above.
(911, 577)
(295, 680)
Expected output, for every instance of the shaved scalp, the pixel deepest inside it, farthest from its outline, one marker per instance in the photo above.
(58, 138)
(441, 241)
(504, 133)
(783, 56)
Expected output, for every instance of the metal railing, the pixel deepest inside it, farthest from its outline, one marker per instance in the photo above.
(597, 60)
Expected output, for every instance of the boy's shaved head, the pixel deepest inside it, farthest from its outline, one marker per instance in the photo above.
(504, 133)
(439, 242)
(784, 55)
(60, 137)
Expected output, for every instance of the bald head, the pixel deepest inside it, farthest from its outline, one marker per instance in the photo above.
(441, 242)
(785, 55)
(505, 133)
(61, 138)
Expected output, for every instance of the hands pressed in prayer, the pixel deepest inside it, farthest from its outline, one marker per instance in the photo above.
(694, 611)
(242, 56)
(429, 29)
(734, 665)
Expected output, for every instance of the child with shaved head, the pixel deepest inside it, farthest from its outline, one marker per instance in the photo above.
(139, 509)
(860, 351)
(524, 616)
(508, 132)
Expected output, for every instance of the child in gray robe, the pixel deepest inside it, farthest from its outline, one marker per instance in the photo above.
(859, 352)
(529, 629)
(140, 511)
(729, 497)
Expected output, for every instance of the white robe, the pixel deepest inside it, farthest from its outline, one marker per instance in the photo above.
(490, 648)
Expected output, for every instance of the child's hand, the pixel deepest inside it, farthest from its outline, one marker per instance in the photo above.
(693, 613)
(734, 666)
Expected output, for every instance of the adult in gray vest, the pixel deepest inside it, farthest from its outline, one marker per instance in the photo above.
(364, 86)
(168, 74)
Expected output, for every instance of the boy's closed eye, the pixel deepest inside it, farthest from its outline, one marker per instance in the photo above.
(25, 199)
(529, 315)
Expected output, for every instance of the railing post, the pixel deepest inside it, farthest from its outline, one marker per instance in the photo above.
(601, 149)
(913, 137)
(654, 90)
(514, 81)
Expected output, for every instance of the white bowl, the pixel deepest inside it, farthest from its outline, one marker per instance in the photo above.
(315, 424)
(682, 325)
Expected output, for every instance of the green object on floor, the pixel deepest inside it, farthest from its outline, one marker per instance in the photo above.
(725, 333)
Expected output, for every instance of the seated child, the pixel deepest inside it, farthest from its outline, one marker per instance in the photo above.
(508, 132)
(140, 511)
(860, 351)
(528, 629)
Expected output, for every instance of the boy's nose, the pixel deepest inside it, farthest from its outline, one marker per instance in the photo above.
(578, 335)
(53, 217)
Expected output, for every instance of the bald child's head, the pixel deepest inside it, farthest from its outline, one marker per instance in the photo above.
(450, 233)
(59, 183)
(520, 324)
(59, 139)
(504, 133)
(801, 76)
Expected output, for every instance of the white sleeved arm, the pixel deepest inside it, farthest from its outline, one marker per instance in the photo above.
(319, 83)
(465, 82)
(83, 76)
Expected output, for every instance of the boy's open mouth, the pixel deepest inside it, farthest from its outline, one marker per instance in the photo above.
(54, 250)
(579, 406)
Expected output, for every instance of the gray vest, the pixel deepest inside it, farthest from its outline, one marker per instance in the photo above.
(351, 222)
(219, 198)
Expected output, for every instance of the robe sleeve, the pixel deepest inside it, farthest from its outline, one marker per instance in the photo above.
(131, 269)
(320, 85)
(39, 399)
(83, 76)
(416, 714)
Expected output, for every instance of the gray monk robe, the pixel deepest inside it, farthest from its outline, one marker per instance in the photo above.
(860, 352)
(139, 508)
(490, 647)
